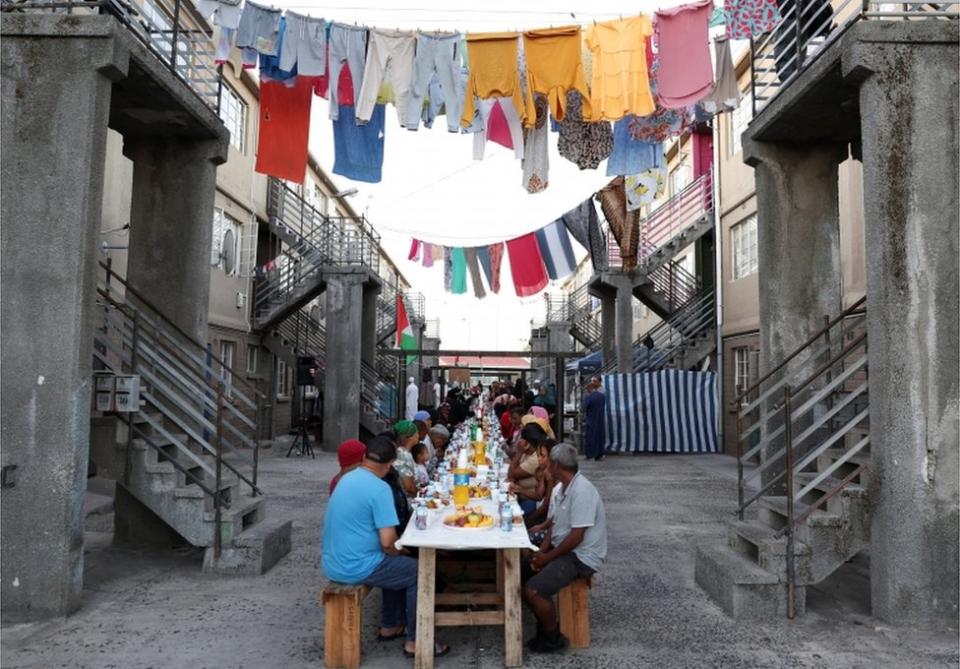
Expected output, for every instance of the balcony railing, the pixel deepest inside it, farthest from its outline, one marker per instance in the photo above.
(667, 221)
(171, 29)
(779, 56)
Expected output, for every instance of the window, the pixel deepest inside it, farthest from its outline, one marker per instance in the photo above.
(737, 122)
(745, 366)
(253, 354)
(743, 240)
(226, 244)
(281, 389)
(321, 201)
(227, 350)
(233, 113)
(679, 178)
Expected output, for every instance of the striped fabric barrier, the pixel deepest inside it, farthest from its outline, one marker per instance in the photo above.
(670, 411)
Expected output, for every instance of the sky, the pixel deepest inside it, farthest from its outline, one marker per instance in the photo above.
(433, 189)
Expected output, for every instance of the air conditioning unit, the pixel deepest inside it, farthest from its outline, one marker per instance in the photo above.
(241, 300)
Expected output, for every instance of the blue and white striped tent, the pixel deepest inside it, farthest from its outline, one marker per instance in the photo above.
(670, 411)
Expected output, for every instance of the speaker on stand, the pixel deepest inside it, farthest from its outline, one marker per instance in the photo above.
(305, 378)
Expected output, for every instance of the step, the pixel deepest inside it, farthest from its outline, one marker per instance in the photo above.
(758, 543)
(829, 484)
(777, 505)
(253, 551)
(741, 588)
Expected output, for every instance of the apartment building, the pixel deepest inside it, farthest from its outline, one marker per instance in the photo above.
(243, 243)
(739, 276)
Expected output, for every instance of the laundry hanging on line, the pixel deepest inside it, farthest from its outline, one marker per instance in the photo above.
(490, 79)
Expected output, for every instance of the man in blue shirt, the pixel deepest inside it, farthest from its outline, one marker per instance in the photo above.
(359, 537)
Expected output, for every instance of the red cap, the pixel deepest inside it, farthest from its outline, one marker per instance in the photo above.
(351, 452)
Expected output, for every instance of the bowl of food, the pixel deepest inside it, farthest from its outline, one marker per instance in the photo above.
(469, 519)
(479, 491)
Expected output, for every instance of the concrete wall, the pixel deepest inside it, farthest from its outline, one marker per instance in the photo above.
(50, 233)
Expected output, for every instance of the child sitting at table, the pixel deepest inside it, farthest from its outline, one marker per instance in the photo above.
(421, 455)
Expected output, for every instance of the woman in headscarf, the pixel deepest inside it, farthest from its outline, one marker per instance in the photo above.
(350, 454)
(405, 436)
(539, 416)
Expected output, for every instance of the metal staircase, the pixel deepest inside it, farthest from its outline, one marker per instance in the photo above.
(803, 510)
(585, 326)
(682, 341)
(190, 453)
(314, 245)
(667, 288)
(300, 334)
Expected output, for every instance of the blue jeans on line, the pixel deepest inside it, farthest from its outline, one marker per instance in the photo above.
(397, 577)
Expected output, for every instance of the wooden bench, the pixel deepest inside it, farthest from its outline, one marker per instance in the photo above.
(573, 608)
(341, 633)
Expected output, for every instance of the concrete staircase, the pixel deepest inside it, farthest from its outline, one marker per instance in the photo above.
(805, 427)
(189, 454)
(167, 480)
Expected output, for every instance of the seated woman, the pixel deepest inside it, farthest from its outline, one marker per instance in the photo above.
(439, 437)
(524, 465)
(405, 436)
(510, 424)
(538, 521)
(539, 416)
(350, 455)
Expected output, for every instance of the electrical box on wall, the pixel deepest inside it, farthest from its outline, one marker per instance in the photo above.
(116, 392)
(241, 300)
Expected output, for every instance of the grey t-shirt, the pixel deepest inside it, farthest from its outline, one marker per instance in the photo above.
(579, 505)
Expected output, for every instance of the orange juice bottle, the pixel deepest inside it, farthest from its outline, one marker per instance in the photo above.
(479, 452)
(461, 487)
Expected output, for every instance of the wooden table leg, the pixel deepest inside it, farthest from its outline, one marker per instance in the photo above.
(426, 587)
(499, 572)
(512, 619)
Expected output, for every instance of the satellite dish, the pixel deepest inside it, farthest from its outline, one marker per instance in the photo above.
(229, 253)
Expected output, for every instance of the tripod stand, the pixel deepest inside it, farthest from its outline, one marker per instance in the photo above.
(301, 442)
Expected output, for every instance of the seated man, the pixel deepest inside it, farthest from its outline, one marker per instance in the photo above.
(358, 543)
(575, 546)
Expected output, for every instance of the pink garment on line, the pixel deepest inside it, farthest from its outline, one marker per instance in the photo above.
(526, 265)
(496, 258)
(414, 250)
(497, 128)
(427, 254)
(683, 49)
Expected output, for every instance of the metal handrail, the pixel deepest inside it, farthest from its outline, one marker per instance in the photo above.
(112, 276)
(849, 311)
(148, 371)
(779, 56)
(173, 31)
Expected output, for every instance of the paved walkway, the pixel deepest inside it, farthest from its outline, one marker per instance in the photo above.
(158, 610)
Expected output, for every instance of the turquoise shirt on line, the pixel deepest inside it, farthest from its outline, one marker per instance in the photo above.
(360, 506)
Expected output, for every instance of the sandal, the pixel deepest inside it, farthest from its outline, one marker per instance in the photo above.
(439, 651)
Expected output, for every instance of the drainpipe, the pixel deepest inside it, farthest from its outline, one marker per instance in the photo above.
(718, 247)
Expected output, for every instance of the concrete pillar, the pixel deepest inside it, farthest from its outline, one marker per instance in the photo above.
(368, 330)
(798, 237)
(341, 385)
(624, 323)
(171, 221)
(54, 148)
(559, 340)
(909, 111)
(608, 329)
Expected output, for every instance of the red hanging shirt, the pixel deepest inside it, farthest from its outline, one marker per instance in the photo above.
(284, 128)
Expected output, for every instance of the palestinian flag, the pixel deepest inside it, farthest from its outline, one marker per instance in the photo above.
(405, 338)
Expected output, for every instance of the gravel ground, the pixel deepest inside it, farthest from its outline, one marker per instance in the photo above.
(156, 609)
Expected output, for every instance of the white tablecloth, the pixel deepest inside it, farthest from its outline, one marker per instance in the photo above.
(438, 535)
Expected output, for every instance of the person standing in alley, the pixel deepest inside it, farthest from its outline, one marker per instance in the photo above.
(412, 398)
(593, 411)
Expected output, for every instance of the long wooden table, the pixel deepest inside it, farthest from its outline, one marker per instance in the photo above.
(506, 598)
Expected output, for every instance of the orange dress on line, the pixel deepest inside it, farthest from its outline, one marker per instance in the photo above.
(493, 73)
(621, 83)
(554, 67)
